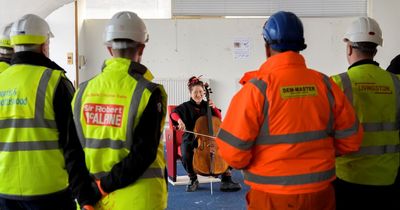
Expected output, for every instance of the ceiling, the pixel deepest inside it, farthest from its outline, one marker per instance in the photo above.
(17, 8)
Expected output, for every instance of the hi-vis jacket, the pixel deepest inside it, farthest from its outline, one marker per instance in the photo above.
(3, 66)
(107, 112)
(285, 127)
(29, 145)
(375, 95)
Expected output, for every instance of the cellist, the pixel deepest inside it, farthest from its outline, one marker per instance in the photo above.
(185, 116)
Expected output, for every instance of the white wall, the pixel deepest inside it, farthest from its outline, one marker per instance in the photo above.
(185, 47)
(388, 16)
(62, 24)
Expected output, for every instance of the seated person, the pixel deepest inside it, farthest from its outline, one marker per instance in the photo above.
(185, 116)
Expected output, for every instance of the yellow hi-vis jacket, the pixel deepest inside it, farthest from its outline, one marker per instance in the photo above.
(31, 161)
(3, 66)
(375, 95)
(107, 109)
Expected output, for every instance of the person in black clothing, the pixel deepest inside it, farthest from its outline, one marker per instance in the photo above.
(394, 66)
(184, 116)
(124, 155)
(30, 59)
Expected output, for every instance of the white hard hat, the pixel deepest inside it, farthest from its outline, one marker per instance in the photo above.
(126, 25)
(364, 29)
(30, 29)
(5, 36)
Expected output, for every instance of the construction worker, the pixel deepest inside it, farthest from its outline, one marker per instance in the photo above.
(119, 116)
(41, 158)
(6, 49)
(366, 179)
(284, 127)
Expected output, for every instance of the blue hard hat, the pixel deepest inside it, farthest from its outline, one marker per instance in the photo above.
(283, 31)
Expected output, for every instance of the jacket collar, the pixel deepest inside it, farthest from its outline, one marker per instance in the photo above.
(362, 62)
(6, 60)
(124, 65)
(33, 58)
(282, 60)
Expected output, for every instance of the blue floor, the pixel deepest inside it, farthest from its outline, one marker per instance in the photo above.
(202, 199)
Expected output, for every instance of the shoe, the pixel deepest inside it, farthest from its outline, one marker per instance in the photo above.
(192, 185)
(227, 185)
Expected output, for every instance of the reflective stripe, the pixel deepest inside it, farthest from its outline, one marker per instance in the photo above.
(38, 121)
(149, 173)
(262, 86)
(28, 146)
(104, 143)
(372, 127)
(41, 93)
(291, 138)
(290, 180)
(331, 100)
(378, 150)
(234, 141)
(341, 134)
(27, 123)
(77, 112)
(347, 88)
(396, 83)
(134, 106)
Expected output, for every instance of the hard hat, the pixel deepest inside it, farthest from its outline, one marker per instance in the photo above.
(126, 25)
(5, 36)
(30, 29)
(364, 29)
(284, 31)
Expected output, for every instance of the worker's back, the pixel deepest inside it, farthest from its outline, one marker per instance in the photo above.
(285, 126)
(374, 93)
(295, 144)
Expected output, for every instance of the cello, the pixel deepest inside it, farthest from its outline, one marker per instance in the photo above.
(206, 160)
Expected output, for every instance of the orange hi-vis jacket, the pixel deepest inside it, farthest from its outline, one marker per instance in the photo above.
(285, 127)
(248, 76)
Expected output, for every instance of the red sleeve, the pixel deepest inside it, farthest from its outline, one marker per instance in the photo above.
(217, 113)
(175, 116)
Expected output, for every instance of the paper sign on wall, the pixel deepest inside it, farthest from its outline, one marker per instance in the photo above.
(241, 48)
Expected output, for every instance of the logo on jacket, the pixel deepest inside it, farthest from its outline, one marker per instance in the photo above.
(298, 91)
(373, 88)
(103, 114)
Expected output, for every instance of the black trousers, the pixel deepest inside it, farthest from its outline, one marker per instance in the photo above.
(187, 150)
(367, 197)
(62, 201)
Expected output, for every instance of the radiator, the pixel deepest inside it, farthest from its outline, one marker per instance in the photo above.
(176, 89)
